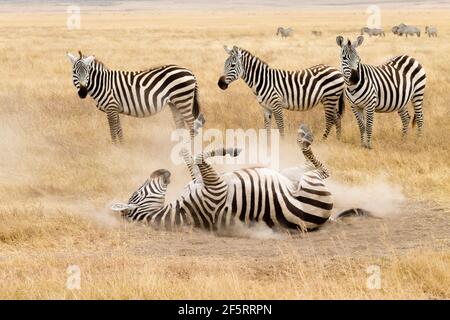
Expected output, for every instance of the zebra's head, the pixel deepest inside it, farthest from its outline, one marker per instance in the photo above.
(349, 58)
(81, 67)
(147, 198)
(233, 68)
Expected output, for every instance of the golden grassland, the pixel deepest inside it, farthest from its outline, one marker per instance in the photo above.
(59, 170)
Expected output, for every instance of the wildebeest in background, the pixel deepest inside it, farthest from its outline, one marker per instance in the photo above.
(373, 31)
(431, 31)
(284, 32)
(316, 33)
(403, 29)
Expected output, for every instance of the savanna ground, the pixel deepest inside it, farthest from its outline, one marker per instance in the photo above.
(59, 171)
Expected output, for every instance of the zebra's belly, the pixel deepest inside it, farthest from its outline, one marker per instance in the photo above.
(264, 195)
(141, 110)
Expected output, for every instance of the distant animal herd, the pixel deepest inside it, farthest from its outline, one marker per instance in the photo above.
(214, 201)
(399, 30)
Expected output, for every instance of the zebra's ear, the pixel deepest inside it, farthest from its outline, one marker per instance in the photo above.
(71, 57)
(88, 60)
(358, 41)
(339, 40)
(227, 49)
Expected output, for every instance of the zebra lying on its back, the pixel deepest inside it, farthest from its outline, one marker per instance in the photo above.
(276, 89)
(215, 201)
(373, 31)
(284, 32)
(385, 88)
(137, 94)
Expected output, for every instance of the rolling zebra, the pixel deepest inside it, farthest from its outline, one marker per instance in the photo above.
(385, 88)
(276, 89)
(136, 94)
(214, 202)
(373, 32)
(284, 32)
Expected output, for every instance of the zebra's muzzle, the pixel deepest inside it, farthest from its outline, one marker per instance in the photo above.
(222, 84)
(82, 92)
(354, 77)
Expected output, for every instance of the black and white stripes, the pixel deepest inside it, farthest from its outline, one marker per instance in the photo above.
(215, 202)
(277, 89)
(137, 94)
(385, 88)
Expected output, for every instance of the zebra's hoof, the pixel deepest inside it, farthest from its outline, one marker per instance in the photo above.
(305, 136)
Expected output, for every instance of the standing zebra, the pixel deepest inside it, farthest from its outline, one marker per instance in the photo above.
(284, 32)
(276, 89)
(137, 94)
(215, 202)
(431, 31)
(385, 88)
(373, 32)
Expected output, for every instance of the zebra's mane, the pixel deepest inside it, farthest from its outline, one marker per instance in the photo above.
(103, 65)
(246, 52)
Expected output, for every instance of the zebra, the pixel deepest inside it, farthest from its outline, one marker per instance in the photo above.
(431, 31)
(276, 89)
(373, 32)
(385, 88)
(403, 29)
(215, 202)
(316, 33)
(284, 32)
(137, 93)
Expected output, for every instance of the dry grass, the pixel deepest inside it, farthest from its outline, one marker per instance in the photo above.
(59, 170)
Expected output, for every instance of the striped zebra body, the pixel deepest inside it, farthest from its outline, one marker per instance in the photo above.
(284, 32)
(385, 88)
(277, 89)
(373, 32)
(215, 202)
(137, 94)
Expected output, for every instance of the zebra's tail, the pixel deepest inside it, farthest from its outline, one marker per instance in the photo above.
(353, 212)
(413, 124)
(341, 104)
(196, 105)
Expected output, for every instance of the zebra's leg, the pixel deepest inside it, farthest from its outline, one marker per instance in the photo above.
(304, 140)
(370, 111)
(278, 113)
(360, 118)
(114, 125)
(330, 118)
(210, 177)
(417, 101)
(189, 161)
(404, 115)
(177, 116)
(267, 121)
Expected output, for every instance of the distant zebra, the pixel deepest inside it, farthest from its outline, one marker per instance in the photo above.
(215, 201)
(137, 93)
(385, 88)
(403, 29)
(316, 33)
(431, 31)
(373, 31)
(284, 32)
(276, 89)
